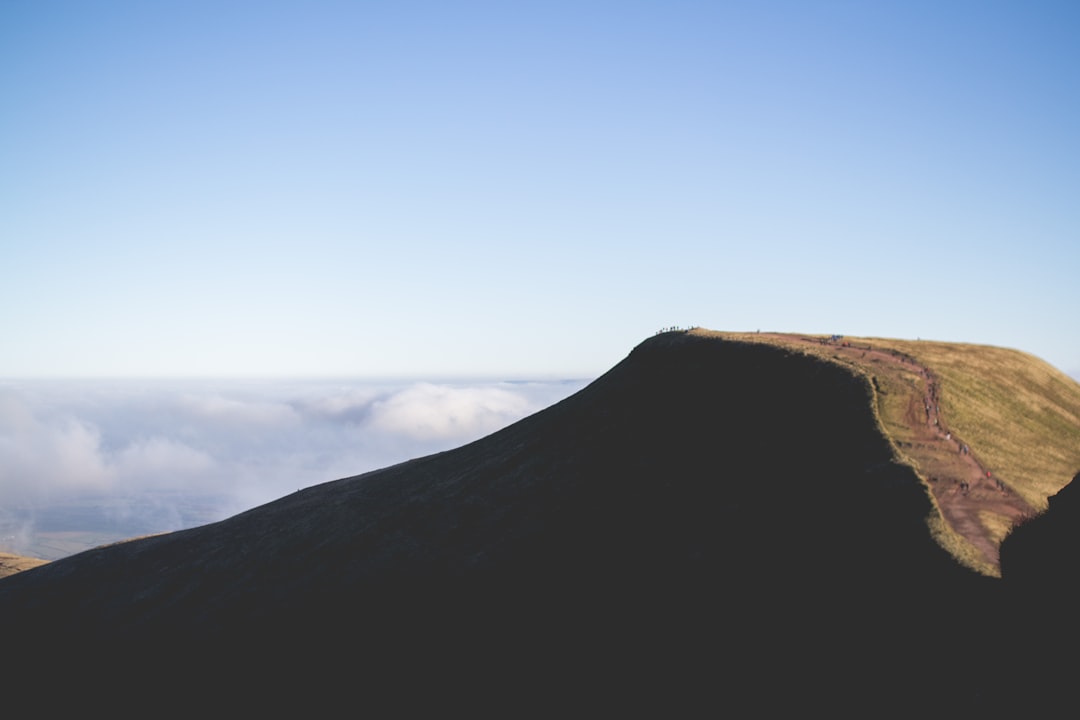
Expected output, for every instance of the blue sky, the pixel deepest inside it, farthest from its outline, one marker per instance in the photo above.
(421, 189)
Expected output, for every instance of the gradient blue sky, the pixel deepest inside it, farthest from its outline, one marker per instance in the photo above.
(481, 188)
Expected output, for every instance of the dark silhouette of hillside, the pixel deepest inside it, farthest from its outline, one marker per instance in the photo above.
(711, 524)
(1039, 554)
(1040, 564)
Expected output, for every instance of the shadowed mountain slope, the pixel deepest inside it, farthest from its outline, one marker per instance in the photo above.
(1040, 555)
(707, 519)
(1040, 563)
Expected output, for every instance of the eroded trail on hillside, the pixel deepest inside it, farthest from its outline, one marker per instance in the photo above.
(973, 499)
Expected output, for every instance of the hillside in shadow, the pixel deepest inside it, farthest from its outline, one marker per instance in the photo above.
(710, 524)
(1040, 563)
(1035, 552)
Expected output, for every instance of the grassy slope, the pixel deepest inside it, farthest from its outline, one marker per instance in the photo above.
(1020, 415)
(11, 564)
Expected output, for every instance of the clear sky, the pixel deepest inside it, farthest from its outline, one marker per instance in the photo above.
(527, 188)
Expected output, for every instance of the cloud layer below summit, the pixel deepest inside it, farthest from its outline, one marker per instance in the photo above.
(152, 456)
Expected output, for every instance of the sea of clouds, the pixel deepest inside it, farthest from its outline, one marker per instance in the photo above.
(98, 461)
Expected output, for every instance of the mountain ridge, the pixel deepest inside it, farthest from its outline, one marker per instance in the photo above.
(710, 513)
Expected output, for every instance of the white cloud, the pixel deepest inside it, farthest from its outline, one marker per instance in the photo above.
(43, 456)
(426, 411)
(151, 461)
(237, 411)
(342, 403)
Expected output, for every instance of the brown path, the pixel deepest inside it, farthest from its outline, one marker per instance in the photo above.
(967, 492)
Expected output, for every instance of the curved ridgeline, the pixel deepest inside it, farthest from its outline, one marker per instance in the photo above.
(710, 520)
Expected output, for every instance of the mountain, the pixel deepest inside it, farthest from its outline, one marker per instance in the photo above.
(717, 522)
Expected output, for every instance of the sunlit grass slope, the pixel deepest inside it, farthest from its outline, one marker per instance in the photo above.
(1020, 415)
(11, 564)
